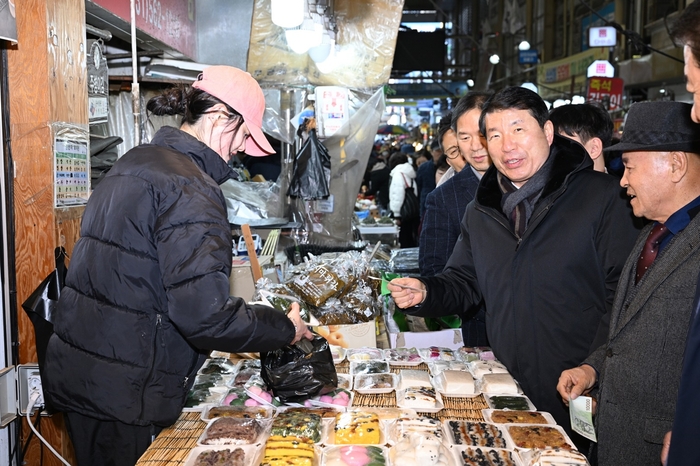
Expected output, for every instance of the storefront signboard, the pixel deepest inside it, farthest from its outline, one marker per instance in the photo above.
(170, 21)
(565, 69)
(606, 90)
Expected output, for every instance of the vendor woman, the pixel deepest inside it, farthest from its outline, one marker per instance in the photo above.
(147, 294)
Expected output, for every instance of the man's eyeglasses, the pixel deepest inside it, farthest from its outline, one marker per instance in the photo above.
(452, 153)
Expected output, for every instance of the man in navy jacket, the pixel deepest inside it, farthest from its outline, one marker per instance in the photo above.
(446, 204)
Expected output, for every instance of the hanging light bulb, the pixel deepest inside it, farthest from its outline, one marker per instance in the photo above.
(301, 39)
(287, 13)
(321, 52)
(524, 45)
(494, 59)
(328, 65)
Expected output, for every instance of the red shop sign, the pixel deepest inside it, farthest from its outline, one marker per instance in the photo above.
(606, 89)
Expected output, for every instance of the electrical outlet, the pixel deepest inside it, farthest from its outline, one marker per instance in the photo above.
(34, 386)
(29, 380)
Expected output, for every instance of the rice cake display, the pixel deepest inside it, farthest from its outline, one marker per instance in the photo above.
(476, 456)
(519, 403)
(231, 431)
(357, 428)
(288, 452)
(498, 383)
(476, 434)
(300, 424)
(553, 457)
(527, 436)
(354, 455)
(416, 449)
(423, 425)
(501, 416)
(221, 458)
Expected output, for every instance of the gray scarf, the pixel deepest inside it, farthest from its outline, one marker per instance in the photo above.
(518, 204)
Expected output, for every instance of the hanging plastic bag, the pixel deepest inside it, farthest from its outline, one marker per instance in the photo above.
(297, 372)
(40, 307)
(312, 167)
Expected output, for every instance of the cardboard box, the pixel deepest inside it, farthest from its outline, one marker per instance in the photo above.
(350, 336)
(241, 280)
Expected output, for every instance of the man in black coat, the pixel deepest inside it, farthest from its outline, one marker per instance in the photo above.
(542, 245)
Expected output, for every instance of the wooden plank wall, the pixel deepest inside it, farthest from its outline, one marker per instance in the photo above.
(47, 80)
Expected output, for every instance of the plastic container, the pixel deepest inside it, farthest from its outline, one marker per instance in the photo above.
(355, 455)
(446, 386)
(514, 402)
(507, 416)
(468, 456)
(413, 378)
(419, 399)
(375, 383)
(537, 436)
(403, 357)
(253, 453)
(364, 354)
(436, 353)
(356, 427)
(242, 432)
(241, 412)
(476, 434)
(369, 367)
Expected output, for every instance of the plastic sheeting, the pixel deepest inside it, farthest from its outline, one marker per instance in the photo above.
(330, 221)
(254, 203)
(364, 52)
(121, 120)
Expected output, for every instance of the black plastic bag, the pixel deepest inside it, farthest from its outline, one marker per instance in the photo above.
(301, 371)
(312, 168)
(40, 306)
(410, 209)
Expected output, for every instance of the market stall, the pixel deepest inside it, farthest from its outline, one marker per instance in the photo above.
(428, 406)
(342, 401)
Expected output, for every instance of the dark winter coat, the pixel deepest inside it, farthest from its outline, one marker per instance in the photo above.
(547, 296)
(147, 291)
(640, 365)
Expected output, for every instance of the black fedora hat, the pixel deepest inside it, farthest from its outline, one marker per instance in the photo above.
(659, 126)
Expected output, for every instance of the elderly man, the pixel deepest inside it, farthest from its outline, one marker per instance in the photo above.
(638, 369)
(542, 246)
(686, 428)
(446, 204)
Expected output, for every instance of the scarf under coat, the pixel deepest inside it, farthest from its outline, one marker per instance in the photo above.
(518, 204)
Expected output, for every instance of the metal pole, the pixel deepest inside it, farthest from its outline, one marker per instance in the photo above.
(135, 91)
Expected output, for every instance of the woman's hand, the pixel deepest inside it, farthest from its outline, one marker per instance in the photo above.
(301, 330)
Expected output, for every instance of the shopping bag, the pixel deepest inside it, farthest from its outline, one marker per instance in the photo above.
(410, 209)
(301, 371)
(40, 307)
(312, 168)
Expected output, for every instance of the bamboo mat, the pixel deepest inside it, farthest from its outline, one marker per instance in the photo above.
(174, 444)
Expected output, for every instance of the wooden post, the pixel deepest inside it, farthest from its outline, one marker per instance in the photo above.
(47, 84)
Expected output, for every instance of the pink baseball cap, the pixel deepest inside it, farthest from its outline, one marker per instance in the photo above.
(242, 92)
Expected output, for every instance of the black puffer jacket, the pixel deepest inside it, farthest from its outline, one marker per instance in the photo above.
(147, 292)
(549, 295)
